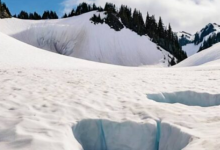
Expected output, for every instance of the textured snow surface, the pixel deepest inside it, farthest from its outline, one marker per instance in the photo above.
(80, 38)
(54, 102)
(46, 100)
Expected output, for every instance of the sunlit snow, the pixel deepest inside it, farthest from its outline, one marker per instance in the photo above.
(50, 101)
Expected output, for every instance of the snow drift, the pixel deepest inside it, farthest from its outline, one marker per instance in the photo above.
(78, 37)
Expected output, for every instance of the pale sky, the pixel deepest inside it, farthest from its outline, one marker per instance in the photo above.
(184, 15)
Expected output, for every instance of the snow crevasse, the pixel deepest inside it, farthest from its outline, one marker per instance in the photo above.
(97, 134)
(189, 98)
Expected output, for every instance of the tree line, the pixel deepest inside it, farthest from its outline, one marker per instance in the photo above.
(160, 34)
(81, 9)
(124, 17)
(120, 18)
(36, 16)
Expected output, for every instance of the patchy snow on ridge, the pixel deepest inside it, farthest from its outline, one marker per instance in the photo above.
(188, 36)
(187, 40)
(78, 37)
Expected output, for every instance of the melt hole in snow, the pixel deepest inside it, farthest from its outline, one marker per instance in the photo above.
(97, 134)
(189, 98)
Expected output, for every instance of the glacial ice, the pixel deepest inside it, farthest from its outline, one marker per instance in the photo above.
(108, 135)
(189, 98)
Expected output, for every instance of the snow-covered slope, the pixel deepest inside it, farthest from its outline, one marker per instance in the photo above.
(53, 102)
(29, 56)
(192, 43)
(80, 38)
(209, 56)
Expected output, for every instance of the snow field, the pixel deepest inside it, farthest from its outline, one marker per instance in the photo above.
(47, 102)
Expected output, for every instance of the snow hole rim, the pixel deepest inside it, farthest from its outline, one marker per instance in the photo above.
(153, 135)
(188, 98)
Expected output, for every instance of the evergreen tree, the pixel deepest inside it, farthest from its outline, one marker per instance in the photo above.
(125, 15)
(113, 21)
(147, 23)
(65, 16)
(45, 15)
(151, 28)
(196, 40)
(53, 15)
(94, 7)
(0, 6)
(23, 15)
(170, 33)
(97, 19)
(110, 8)
(72, 13)
(172, 63)
(135, 20)
(6, 9)
(138, 23)
(160, 28)
(31, 16)
(82, 8)
(36, 16)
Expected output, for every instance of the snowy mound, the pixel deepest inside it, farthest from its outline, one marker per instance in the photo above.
(211, 56)
(78, 37)
(29, 56)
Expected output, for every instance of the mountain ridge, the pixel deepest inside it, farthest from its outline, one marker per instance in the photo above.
(201, 40)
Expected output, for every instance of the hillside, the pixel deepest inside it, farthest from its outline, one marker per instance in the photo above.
(79, 37)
